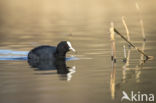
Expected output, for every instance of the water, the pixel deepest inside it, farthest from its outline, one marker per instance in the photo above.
(25, 25)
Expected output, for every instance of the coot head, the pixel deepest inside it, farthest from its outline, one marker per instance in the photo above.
(63, 47)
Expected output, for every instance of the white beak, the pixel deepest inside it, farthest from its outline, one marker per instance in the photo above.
(70, 46)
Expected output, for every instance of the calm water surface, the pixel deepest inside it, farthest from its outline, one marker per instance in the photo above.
(93, 80)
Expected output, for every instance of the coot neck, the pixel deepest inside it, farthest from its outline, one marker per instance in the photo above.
(60, 55)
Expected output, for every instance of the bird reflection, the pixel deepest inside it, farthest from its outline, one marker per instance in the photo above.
(59, 65)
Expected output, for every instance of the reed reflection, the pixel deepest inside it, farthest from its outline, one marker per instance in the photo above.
(112, 80)
(137, 69)
(126, 66)
(126, 72)
(141, 63)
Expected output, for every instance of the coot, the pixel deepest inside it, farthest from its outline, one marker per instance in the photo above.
(49, 54)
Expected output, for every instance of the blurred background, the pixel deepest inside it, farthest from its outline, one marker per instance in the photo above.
(25, 24)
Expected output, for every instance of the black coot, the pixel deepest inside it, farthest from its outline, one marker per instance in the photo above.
(49, 55)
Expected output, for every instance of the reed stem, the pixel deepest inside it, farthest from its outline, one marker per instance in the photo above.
(140, 51)
(112, 36)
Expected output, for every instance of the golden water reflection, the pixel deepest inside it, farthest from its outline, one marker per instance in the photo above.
(125, 71)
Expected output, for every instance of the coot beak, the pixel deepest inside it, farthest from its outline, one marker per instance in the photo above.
(70, 46)
(72, 49)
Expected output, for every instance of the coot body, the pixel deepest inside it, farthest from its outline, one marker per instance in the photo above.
(48, 55)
